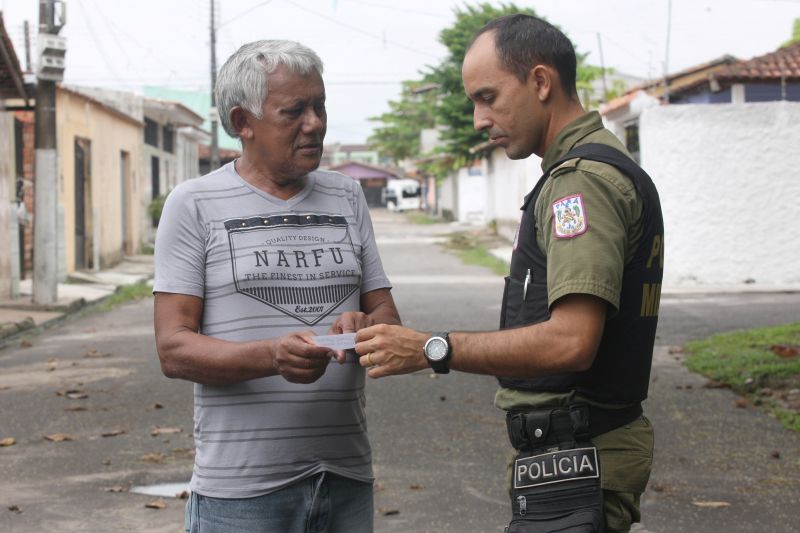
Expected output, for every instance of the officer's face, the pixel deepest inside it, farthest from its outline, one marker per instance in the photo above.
(507, 109)
(288, 138)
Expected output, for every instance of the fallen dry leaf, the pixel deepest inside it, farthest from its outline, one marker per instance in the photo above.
(157, 406)
(113, 432)
(52, 366)
(25, 344)
(117, 488)
(156, 431)
(784, 350)
(152, 458)
(5, 387)
(157, 504)
(8, 441)
(388, 512)
(711, 505)
(59, 437)
(775, 455)
(716, 385)
(94, 353)
(741, 403)
(73, 394)
(675, 349)
(416, 487)
(76, 408)
(15, 509)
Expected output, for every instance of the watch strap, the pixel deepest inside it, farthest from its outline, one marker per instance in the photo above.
(442, 366)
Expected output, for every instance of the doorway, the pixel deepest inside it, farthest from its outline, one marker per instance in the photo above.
(83, 205)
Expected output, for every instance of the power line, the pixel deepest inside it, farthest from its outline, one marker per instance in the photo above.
(403, 9)
(243, 13)
(359, 30)
(100, 47)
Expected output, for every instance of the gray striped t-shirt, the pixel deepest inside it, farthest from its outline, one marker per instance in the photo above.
(266, 267)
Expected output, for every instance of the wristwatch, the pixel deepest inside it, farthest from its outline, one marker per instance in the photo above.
(438, 353)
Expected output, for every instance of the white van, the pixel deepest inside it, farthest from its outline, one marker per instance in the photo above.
(402, 195)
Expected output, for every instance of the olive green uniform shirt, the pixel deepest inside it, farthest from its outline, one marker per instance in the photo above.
(591, 263)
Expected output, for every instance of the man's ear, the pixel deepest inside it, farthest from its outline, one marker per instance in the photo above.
(240, 119)
(541, 76)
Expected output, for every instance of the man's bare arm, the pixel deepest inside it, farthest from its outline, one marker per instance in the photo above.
(187, 354)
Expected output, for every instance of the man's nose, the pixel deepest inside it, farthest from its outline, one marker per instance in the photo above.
(480, 120)
(313, 121)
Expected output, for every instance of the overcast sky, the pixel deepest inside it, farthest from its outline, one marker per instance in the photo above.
(370, 46)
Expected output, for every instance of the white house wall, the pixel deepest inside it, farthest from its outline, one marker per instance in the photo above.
(729, 180)
(508, 183)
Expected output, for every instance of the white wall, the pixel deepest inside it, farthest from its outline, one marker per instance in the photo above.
(508, 183)
(729, 180)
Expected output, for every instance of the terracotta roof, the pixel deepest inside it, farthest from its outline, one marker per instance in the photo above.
(782, 64)
(678, 81)
(12, 84)
(390, 171)
(204, 152)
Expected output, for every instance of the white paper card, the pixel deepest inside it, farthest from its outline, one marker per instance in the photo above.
(345, 341)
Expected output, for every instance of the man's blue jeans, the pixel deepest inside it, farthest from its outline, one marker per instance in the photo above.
(324, 503)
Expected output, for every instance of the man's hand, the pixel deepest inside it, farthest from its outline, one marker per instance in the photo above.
(299, 360)
(388, 350)
(349, 322)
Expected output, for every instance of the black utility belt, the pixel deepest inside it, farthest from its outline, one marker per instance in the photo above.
(542, 428)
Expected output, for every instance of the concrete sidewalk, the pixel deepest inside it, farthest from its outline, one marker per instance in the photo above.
(82, 289)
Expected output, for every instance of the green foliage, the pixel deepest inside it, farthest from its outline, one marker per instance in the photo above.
(127, 293)
(399, 137)
(795, 34)
(450, 106)
(455, 109)
(155, 207)
(744, 361)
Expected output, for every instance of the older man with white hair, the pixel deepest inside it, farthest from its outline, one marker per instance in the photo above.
(252, 261)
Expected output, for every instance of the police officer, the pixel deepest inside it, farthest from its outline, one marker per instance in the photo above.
(580, 307)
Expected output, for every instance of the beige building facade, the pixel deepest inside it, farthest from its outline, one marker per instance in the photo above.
(101, 206)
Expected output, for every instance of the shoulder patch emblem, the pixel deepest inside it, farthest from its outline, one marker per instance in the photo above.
(569, 217)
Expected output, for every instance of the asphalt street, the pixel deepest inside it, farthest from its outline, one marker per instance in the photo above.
(439, 445)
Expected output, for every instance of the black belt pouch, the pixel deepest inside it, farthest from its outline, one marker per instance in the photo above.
(556, 476)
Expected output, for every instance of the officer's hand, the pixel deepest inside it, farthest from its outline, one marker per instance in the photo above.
(349, 322)
(299, 360)
(388, 350)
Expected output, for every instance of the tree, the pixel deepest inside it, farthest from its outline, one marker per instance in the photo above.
(795, 34)
(455, 109)
(399, 137)
(450, 106)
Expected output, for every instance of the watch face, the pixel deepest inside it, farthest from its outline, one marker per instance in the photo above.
(436, 349)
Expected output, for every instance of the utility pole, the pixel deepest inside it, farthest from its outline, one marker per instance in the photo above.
(28, 66)
(214, 163)
(602, 67)
(666, 52)
(50, 70)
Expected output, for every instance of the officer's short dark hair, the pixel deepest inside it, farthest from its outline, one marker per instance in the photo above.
(523, 41)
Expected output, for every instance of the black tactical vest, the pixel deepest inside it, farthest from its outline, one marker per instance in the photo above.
(621, 370)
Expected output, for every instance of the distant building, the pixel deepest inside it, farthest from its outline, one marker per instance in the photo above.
(338, 153)
(13, 93)
(373, 179)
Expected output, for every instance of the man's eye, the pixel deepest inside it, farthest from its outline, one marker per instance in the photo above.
(294, 112)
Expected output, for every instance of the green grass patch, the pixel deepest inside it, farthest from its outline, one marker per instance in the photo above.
(127, 293)
(745, 361)
(420, 218)
(472, 250)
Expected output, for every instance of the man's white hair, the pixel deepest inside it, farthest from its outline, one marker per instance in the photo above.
(244, 78)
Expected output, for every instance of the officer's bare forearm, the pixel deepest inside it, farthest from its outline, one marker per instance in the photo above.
(567, 342)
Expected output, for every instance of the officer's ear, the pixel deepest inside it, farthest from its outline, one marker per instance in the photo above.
(240, 120)
(541, 78)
